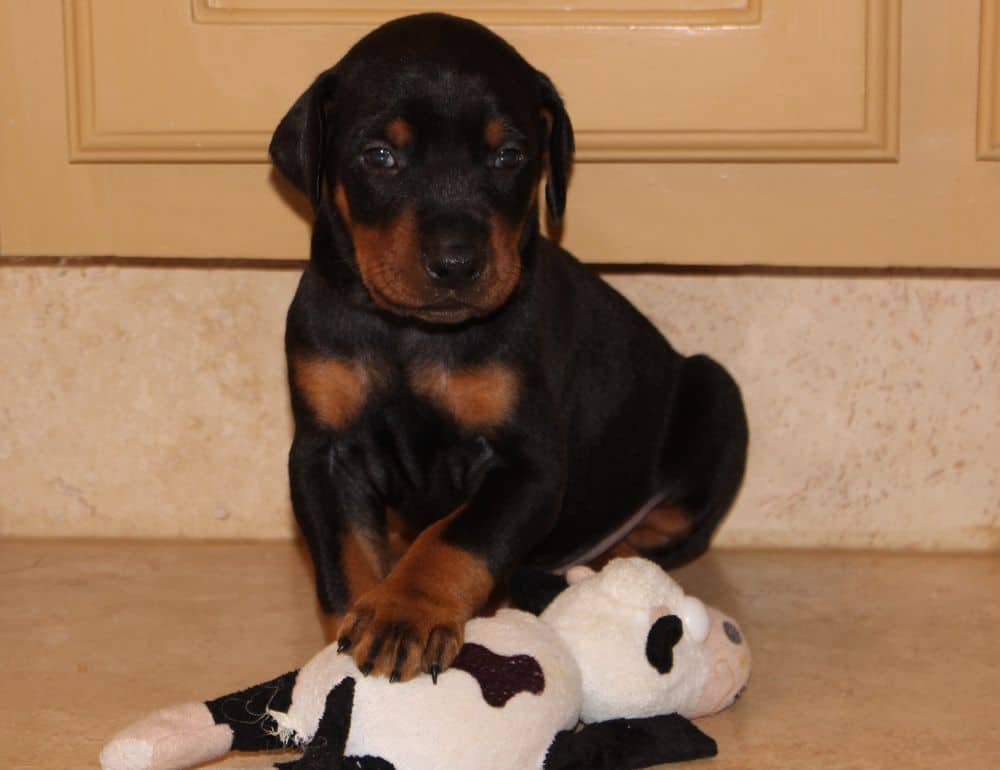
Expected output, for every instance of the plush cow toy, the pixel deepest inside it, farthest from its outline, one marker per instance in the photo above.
(624, 650)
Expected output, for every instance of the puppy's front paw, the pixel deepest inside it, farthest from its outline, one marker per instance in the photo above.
(398, 633)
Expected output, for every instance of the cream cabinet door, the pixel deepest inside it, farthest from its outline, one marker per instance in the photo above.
(794, 132)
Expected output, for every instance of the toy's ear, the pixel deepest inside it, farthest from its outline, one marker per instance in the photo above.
(559, 148)
(695, 616)
(299, 144)
(578, 574)
(532, 590)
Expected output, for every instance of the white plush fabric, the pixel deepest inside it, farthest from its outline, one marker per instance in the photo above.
(605, 619)
(418, 725)
(169, 739)
(590, 644)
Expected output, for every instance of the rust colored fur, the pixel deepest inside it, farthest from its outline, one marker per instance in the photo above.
(478, 397)
(399, 132)
(493, 134)
(429, 595)
(661, 526)
(387, 261)
(363, 561)
(334, 390)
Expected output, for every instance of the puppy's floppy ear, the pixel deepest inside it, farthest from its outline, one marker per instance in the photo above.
(299, 145)
(559, 150)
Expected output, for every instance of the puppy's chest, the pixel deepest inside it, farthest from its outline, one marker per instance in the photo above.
(477, 398)
(413, 431)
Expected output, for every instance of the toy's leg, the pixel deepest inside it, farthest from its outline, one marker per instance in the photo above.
(245, 713)
(183, 736)
(168, 739)
(629, 744)
(703, 465)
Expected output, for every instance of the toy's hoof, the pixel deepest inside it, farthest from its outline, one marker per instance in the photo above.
(127, 754)
(169, 739)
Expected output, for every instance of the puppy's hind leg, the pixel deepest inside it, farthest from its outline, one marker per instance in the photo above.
(703, 464)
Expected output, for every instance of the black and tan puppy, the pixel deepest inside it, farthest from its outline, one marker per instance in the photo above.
(455, 374)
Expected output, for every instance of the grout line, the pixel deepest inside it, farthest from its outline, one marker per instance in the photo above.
(611, 268)
(189, 263)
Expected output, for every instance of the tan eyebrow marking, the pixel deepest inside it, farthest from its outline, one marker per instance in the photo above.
(493, 133)
(399, 131)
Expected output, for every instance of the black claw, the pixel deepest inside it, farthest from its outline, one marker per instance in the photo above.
(435, 670)
(366, 668)
(343, 644)
(394, 677)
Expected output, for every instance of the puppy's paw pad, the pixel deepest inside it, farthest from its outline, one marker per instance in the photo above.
(400, 636)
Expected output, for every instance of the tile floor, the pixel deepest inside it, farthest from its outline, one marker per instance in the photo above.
(862, 660)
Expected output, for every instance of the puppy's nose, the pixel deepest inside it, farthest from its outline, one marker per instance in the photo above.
(454, 267)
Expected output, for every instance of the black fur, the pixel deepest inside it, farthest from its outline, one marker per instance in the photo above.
(608, 417)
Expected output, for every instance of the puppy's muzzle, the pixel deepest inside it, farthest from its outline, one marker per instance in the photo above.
(454, 253)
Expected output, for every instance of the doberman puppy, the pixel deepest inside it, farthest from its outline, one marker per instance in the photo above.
(456, 375)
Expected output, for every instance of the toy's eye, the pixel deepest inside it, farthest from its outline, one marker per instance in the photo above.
(732, 632)
(507, 158)
(660, 641)
(379, 157)
(695, 617)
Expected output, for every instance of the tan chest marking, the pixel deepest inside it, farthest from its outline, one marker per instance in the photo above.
(478, 397)
(334, 389)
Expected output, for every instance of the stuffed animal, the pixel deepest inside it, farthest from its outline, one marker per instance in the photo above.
(623, 649)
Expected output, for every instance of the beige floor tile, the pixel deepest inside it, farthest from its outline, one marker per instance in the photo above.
(861, 660)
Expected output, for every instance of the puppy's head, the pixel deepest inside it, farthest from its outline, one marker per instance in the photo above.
(428, 141)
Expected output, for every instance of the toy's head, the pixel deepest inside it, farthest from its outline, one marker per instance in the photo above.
(644, 647)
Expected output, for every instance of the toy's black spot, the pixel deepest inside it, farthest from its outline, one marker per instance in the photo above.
(664, 634)
(326, 749)
(500, 677)
(732, 632)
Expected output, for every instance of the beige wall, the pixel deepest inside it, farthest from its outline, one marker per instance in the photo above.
(105, 104)
(150, 401)
(148, 398)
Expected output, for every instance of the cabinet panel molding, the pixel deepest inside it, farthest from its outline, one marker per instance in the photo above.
(989, 82)
(149, 85)
(666, 13)
(705, 108)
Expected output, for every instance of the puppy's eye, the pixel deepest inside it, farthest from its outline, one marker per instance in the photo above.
(507, 158)
(379, 157)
